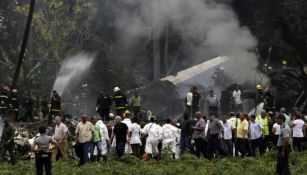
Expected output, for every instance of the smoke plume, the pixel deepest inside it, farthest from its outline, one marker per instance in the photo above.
(208, 27)
(72, 71)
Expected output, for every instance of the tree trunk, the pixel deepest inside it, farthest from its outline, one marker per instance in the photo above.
(24, 43)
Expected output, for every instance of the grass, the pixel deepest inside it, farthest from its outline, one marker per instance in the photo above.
(130, 165)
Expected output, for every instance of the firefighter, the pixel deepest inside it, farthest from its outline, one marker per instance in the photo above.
(120, 101)
(28, 106)
(4, 102)
(269, 100)
(259, 94)
(14, 104)
(55, 106)
(103, 105)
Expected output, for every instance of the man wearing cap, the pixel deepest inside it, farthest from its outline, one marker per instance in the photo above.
(282, 167)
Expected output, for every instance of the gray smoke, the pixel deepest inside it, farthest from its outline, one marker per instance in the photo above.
(209, 29)
(72, 71)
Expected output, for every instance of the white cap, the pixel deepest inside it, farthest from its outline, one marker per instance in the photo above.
(116, 89)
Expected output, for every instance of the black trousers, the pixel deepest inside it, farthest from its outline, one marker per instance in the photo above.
(105, 114)
(214, 144)
(43, 160)
(282, 166)
(120, 148)
(10, 148)
(228, 147)
(297, 143)
(242, 143)
(136, 150)
(213, 109)
(257, 143)
(120, 112)
(28, 115)
(201, 147)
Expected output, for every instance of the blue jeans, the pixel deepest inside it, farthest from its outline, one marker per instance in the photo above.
(98, 145)
(85, 150)
(185, 142)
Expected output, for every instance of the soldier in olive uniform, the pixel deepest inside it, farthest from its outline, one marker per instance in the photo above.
(7, 141)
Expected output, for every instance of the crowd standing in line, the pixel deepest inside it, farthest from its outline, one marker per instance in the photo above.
(210, 136)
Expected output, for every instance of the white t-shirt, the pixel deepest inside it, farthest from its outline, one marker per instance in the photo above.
(135, 134)
(227, 130)
(237, 96)
(189, 98)
(298, 128)
(277, 129)
(60, 131)
(169, 132)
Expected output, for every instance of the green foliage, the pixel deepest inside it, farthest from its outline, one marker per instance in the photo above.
(188, 165)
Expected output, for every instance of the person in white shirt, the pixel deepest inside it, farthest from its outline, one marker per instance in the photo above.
(276, 132)
(60, 136)
(128, 122)
(255, 135)
(298, 124)
(135, 140)
(189, 98)
(154, 133)
(227, 136)
(104, 134)
(169, 137)
(237, 100)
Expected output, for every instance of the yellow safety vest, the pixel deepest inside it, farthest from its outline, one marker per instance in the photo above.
(265, 124)
(234, 122)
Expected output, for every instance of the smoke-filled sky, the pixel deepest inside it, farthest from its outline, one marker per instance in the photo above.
(209, 29)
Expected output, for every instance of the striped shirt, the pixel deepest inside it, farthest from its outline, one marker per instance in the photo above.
(199, 134)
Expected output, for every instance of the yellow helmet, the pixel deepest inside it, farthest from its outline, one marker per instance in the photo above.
(284, 62)
(259, 86)
(150, 117)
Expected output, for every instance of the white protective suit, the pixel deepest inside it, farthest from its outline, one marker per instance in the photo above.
(169, 137)
(128, 122)
(104, 138)
(154, 132)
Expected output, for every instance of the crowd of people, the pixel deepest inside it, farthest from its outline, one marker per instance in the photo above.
(210, 136)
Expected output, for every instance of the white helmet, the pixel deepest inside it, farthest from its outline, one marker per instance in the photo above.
(222, 68)
(116, 89)
(111, 115)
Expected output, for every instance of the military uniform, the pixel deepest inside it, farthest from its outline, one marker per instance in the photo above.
(7, 142)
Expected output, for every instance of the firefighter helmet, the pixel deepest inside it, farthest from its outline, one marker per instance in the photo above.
(258, 86)
(116, 89)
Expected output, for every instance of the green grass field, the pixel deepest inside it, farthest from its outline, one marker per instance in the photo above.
(188, 165)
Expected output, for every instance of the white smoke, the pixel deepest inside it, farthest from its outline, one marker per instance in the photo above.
(208, 27)
(72, 71)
